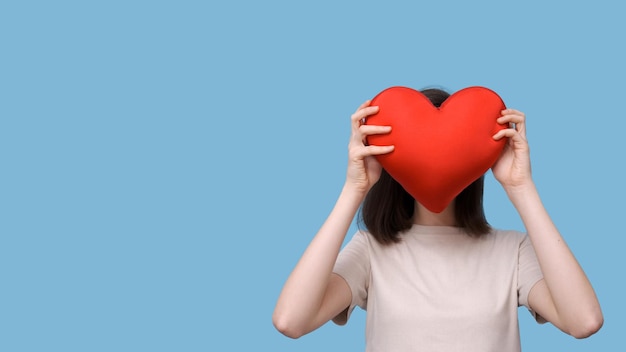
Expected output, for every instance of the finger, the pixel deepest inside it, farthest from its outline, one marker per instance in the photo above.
(512, 134)
(380, 150)
(516, 119)
(512, 117)
(362, 131)
(505, 133)
(368, 130)
(511, 111)
(362, 114)
(365, 104)
(377, 150)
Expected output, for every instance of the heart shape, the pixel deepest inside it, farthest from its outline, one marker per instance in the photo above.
(438, 151)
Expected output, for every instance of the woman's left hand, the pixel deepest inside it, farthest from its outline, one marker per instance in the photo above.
(512, 169)
(564, 296)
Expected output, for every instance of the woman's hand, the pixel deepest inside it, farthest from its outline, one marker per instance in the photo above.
(363, 168)
(313, 294)
(564, 296)
(512, 169)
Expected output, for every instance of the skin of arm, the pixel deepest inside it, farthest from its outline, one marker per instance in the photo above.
(312, 294)
(564, 296)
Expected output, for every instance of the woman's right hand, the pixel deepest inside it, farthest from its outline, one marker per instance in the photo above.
(363, 168)
(313, 294)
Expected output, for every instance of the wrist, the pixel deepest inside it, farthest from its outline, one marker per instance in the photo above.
(518, 193)
(352, 191)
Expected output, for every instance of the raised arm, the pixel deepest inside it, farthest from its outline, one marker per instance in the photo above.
(312, 294)
(565, 296)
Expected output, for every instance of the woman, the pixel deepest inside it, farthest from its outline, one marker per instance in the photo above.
(437, 281)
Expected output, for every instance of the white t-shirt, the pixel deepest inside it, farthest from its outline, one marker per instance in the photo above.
(440, 289)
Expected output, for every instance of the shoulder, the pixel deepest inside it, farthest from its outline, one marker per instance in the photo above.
(357, 246)
(512, 235)
(507, 237)
(363, 238)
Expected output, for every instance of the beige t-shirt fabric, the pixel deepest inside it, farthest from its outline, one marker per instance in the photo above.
(440, 289)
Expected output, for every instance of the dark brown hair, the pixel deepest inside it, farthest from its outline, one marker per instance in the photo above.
(388, 209)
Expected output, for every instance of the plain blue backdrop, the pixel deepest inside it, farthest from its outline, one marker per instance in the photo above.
(163, 164)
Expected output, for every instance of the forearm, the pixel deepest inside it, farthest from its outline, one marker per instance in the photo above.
(570, 290)
(304, 290)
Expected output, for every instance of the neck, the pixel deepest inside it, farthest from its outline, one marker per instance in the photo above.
(426, 217)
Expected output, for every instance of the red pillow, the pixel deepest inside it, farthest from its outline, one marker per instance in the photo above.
(438, 151)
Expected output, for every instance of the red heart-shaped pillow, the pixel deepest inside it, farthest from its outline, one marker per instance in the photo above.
(438, 151)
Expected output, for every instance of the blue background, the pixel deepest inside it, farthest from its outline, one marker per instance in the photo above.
(165, 163)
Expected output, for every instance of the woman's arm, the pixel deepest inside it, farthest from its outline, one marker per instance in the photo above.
(565, 296)
(312, 294)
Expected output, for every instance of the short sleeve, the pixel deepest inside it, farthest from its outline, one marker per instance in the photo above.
(529, 273)
(353, 265)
